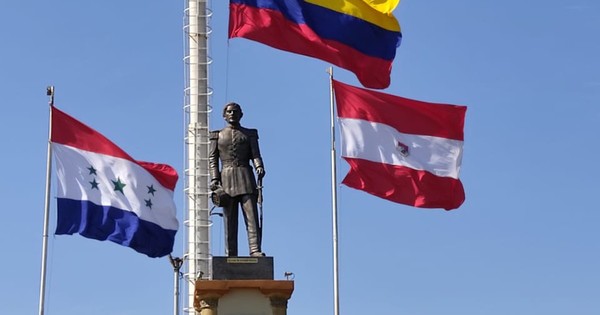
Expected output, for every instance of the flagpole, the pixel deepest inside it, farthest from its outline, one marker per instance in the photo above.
(336, 298)
(50, 93)
(176, 262)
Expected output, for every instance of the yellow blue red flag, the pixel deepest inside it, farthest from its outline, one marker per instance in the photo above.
(350, 34)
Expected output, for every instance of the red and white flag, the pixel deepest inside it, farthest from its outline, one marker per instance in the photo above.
(402, 150)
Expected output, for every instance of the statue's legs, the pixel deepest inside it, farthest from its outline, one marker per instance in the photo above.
(250, 212)
(230, 223)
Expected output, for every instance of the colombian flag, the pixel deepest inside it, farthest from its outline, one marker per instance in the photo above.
(351, 34)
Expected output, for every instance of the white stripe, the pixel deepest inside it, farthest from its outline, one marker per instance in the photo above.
(74, 183)
(378, 143)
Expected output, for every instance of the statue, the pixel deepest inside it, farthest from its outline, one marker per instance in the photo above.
(234, 184)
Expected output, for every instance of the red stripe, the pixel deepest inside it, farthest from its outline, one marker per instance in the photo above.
(271, 28)
(403, 114)
(69, 131)
(404, 185)
(164, 174)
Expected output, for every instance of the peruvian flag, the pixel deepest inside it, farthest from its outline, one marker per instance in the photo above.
(402, 150)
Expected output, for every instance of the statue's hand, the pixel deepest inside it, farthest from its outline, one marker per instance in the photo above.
(260, 171)
(214, 184)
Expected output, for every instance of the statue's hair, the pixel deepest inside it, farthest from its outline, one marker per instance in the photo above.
(232, 104)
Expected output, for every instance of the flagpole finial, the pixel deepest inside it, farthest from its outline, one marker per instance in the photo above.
(50, 93)
(176, 262)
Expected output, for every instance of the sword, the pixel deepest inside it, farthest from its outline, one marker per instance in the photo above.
(259, 201)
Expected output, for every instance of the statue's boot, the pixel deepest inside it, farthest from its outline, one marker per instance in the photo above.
(254, 244)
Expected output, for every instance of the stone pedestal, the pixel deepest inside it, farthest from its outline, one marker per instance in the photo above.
(247, 297)
(242, 268)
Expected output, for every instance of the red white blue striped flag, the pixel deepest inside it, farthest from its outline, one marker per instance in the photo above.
(104, 194)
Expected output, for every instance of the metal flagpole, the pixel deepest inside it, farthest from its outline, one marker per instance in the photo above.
(176, 262)
(336, 302)
(50, 93)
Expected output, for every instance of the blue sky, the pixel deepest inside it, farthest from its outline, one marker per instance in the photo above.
(524, 242)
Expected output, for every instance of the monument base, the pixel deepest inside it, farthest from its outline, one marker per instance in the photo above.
(242, 268)
(230, 297)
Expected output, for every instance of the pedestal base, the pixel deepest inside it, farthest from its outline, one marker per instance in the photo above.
(242, 268)
(231, 297)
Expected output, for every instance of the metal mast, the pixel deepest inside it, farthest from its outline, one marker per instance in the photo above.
(196, 109)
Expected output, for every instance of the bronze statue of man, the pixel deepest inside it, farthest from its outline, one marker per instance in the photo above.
(235, 147)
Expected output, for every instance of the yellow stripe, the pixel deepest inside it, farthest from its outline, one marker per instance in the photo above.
(383, 6)
(361, 10)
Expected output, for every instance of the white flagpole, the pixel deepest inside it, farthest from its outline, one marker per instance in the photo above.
(336, 302)
(50, 93)
(176, 262)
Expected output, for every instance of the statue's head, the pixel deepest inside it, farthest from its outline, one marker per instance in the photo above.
(232, 112)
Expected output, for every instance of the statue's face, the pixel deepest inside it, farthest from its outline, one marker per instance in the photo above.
(232, 114)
